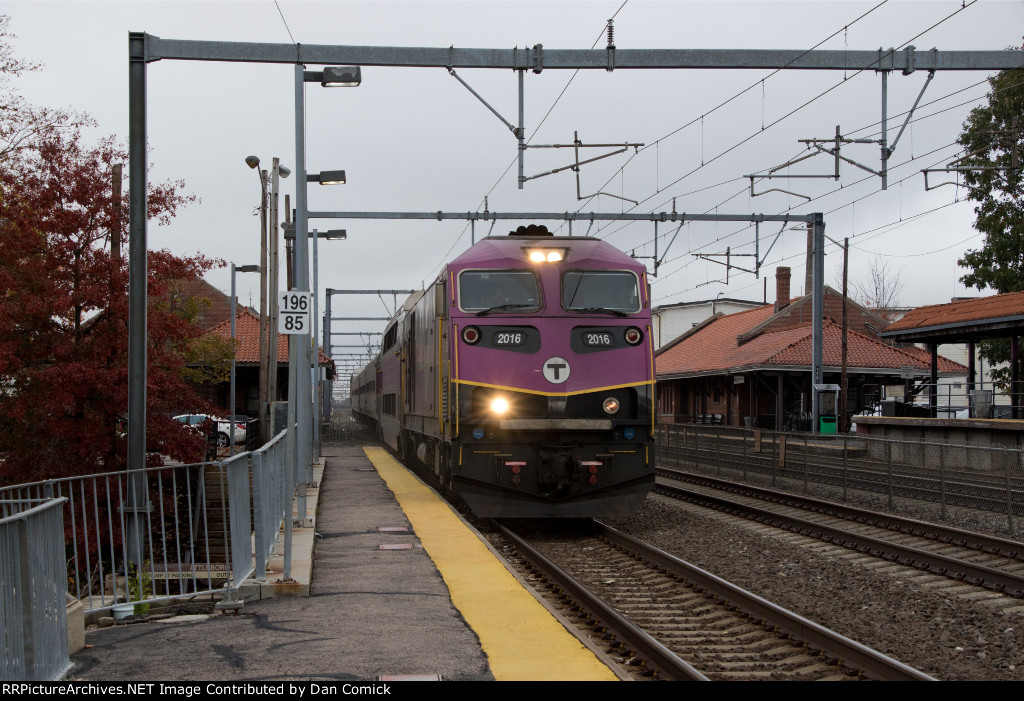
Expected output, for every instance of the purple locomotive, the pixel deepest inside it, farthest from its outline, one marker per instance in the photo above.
(524, 378)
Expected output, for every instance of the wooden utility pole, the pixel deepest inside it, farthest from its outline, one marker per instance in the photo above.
(264, 319)
(289, 242)
(274, 260)
(115, 220)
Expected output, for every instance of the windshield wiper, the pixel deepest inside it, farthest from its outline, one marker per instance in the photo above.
(505, 307)
(600, 309)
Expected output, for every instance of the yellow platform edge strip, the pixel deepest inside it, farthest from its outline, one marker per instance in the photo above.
(522, 641)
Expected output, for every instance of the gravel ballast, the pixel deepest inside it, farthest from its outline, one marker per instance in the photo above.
(950, 630)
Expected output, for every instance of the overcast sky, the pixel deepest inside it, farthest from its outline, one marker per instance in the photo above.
(414, 139)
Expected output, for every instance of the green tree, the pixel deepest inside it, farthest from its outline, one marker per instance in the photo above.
(993, 141)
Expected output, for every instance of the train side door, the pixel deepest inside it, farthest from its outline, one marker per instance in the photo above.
(441, 315)
(409, 358)
(378, 385)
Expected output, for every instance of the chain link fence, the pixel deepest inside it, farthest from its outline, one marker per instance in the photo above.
(344, 430)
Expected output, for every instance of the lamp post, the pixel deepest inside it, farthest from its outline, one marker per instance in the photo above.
(231, 417)
(337, 235)
(299, 393)
(268, 297)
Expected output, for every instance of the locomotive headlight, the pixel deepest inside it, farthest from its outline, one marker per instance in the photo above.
(634, 335)
(546, 255)
(499, 405)
(611, 405)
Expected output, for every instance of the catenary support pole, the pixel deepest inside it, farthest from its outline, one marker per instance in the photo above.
(136, 502)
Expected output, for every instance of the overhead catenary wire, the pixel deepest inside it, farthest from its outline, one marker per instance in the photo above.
(855, 131)
(852, 132)
(726, 102)
(831, 211)
(918, 35)
(880, 230)
(885, 228)
(787, 115)
(528, 141)
(777, 121)
(286, 28)
(870, 233)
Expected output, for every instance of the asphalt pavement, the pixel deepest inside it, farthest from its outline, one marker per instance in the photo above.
(377, 609)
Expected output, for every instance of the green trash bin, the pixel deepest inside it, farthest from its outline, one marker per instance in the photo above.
(827, 424)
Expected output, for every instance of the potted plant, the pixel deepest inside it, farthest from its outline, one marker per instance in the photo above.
(140, 587)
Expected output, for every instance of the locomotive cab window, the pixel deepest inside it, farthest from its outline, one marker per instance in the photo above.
(483, 291)
(613, 291)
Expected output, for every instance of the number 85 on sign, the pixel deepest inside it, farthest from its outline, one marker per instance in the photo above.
(294, 312)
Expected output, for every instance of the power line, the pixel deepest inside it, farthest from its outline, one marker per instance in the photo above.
(887, 227)
(529, 140)
(285, 21)
(777, 121)
(726, 102)
(836, 209)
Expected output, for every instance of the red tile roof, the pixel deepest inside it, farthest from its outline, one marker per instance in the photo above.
(714, 348)
(214, 306)
(984, 308)
(247, 334)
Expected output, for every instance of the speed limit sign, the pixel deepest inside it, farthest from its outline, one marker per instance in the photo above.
(294, 312)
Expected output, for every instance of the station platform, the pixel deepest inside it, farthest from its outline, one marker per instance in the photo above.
(392, 585)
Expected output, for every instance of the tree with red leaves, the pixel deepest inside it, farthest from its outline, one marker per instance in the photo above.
(64, 312)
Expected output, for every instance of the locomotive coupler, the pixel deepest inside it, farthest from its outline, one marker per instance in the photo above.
(558, 470)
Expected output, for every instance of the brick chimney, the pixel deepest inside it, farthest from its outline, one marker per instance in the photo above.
(782, 275)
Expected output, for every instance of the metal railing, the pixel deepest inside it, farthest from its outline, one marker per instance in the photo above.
(953, 400)
(974, 485)
(199, 528)
(271, 503)
(34, 632)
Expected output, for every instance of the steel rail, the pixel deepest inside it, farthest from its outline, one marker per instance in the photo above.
(1011, 549)
(670, 664)
(913, 557)
(849, 651)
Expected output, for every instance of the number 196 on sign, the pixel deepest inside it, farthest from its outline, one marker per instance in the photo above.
(294, 312)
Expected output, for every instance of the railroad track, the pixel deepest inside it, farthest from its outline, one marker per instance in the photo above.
(686, 624)
(988, 561)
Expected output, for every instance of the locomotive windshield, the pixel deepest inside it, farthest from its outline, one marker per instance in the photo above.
(485, 291)
(600, 291)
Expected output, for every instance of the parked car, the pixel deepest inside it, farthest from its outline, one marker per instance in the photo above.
(222, 427)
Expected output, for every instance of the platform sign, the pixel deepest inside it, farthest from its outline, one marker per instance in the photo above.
(294, 311)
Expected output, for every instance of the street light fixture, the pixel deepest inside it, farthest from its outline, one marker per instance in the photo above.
(341, 77)
(338, 234)
(327, 177)
(231, 417)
